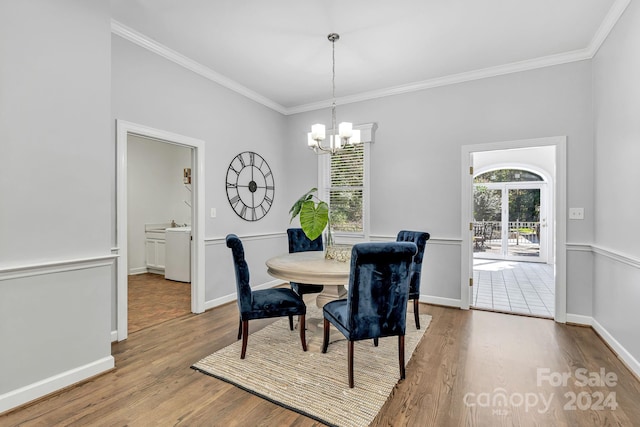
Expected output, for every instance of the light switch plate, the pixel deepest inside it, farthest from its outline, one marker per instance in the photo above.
(213, 212)
(576, 213)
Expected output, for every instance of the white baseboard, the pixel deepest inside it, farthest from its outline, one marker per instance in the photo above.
(268, 285)
(626, 357)
(447, 302)
(137, 270)
(208, 305)
(232, 297)
(41, 388)
(579, 319)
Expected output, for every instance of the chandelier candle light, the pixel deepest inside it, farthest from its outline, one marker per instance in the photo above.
(346, 133)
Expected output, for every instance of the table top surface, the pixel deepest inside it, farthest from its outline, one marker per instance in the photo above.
(309, 267)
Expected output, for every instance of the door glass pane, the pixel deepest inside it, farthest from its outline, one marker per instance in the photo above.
(524, 223)
(487, 214)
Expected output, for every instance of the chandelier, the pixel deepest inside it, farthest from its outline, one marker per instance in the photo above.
(346, 134)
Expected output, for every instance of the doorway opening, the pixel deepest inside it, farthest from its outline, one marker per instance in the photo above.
(153, 245)
(513, 246)
(510, 224)
(159, 219)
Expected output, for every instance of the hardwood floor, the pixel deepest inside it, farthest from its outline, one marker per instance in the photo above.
(465, 360)
(154, 299)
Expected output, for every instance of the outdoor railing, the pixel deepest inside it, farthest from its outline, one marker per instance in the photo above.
(525, 232)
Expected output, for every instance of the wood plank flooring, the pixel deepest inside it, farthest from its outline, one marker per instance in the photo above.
(465, 362)
(154, 299)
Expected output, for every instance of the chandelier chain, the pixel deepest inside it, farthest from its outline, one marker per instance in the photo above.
(333, 86)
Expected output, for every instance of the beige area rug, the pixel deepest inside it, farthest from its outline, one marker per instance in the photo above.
(311, 383)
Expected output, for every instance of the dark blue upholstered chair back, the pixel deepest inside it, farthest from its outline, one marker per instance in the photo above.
(376, 304)
(420, 239)
(243, 286)
(299, 242)
(264, 303)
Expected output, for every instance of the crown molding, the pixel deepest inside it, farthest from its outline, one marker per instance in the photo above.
(614, 14)
(612, 17)
(515, 67)
(141, 40)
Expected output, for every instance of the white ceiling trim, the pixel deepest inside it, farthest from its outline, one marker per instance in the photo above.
(563, 58)
(133, 36)
(589, 52)
(614, 14)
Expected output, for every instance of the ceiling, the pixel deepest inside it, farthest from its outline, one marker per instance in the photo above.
(277, 51)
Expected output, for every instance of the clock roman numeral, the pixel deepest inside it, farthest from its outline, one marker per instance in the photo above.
(268, 200)
(243, 211)
(234, 201)
(252, 159)
(232, 185)
(241, 160)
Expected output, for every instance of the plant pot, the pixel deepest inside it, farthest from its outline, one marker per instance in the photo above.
(338, 252)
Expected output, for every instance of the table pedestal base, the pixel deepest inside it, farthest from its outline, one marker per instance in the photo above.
(330, 293)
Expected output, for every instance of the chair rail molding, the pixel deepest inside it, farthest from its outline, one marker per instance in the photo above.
(59, 266)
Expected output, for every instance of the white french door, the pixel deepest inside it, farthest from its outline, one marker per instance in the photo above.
(518, 229)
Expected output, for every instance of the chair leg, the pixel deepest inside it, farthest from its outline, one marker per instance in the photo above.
(416, 312)
(291, 323)
(375, 341)
(240, 328)
(301, 325)
(245, 336)
(325, 341)
(401, 355)
(350, 364)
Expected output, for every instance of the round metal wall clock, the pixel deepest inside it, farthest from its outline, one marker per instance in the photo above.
(250, 186)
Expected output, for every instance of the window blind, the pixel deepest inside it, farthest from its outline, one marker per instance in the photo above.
(346, 189)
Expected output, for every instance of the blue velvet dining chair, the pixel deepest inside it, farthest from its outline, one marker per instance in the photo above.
(265, 303)
(376, 304)
(420, 239)
(299, 242)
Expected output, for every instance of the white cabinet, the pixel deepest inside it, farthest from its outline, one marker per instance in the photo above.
(155, 250)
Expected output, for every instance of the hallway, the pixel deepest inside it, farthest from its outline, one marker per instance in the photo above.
(517, 287)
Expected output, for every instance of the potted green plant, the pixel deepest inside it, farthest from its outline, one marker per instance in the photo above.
(314, 218)
(314, 215)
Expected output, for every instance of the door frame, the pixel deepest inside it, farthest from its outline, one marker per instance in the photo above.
(123, 130)
(558, 192)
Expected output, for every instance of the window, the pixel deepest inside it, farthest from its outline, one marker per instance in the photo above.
(346, 190)
(344, 184)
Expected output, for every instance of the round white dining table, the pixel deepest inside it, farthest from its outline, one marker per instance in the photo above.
(312, 268)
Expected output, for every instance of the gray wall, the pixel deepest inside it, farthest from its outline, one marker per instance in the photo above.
(416, 157)
(55, 254)
(152, 91)
(617, 150)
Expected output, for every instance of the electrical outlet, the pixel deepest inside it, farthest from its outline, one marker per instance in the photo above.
(213, 212)
(576, 213)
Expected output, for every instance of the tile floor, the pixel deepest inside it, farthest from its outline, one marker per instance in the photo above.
(517, 287)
